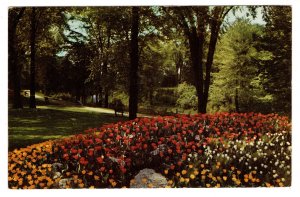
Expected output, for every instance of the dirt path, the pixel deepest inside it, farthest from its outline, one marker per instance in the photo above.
(88, 109)
(71, 106)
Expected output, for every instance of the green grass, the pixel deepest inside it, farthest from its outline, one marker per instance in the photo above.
(29, 126)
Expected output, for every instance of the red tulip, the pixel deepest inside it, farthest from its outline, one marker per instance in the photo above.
(172, 167)
(66, 156)
(161, 154)
(102, 169)
(99, 160)
(118, 137)
(145, 146)
(74, 151)
(97, 148)
(179, 163)
(75, 157)
(123, 170)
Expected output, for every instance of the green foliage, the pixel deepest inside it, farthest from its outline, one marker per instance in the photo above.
(277, 69)
(62, 96)
(187, 98)
(163, 96)
(251, 67)
(237, 84)
(120, 95)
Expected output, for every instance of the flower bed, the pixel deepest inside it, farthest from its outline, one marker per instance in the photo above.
(220, 150)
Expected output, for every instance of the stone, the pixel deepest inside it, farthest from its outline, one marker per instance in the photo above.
(148, 178)
(56, 175)
(63, 183)
(57, 166)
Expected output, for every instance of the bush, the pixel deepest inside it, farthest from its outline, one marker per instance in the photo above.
(187, 98)
(119, 95)
(165, 96)
(66, 96)
(220, 150)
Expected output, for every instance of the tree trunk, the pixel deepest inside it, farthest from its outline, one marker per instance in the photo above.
(236, 101)
(151, 96)
(105, 85)
(77, 96)
(179, 65)
(210, 57)
(196, 40)
(83, 95)
(105, 72)
(14, 67)
(133, 73)
(97, 99)
(100, 97)
(196, 50)
(32, 102)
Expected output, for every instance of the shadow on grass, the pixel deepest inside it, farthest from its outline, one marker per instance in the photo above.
(30, 126)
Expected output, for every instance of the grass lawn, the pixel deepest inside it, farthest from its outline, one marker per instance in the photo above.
(29, 126)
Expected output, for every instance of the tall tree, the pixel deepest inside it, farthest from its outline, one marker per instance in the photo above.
(32, 102)
(277, 69)
(107, 30)
(80, 56)
(134, 57)
(38, 36)
(194, 22)
(236, 78)
(15, 15)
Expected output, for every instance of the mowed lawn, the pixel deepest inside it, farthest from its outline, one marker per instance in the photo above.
(29, 126)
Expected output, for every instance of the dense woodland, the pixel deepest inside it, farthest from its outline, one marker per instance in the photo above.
(175, 57)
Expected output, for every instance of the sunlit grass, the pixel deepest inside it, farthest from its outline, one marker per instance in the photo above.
(29, 126)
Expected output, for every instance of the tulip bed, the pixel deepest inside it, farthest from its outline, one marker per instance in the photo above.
(204, 150)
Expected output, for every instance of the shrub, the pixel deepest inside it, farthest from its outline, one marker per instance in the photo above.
(165, 96)
(63, 96)
(220, 150)
(187, 98)
(119, 95)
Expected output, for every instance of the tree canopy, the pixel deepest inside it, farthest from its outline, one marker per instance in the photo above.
(146, 56)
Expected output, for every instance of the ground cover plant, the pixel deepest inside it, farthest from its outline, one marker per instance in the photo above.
(203, 150)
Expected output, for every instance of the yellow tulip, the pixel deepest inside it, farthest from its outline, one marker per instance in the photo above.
(150, 185)
(144, 180)
(181, 179)
(166, 171)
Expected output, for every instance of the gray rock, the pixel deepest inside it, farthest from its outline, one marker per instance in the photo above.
(148, 178)
(57, 167)
(56, 170)
(63, 182)
(56, 175)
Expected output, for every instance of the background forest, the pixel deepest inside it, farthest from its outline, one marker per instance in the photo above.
(186, 59)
